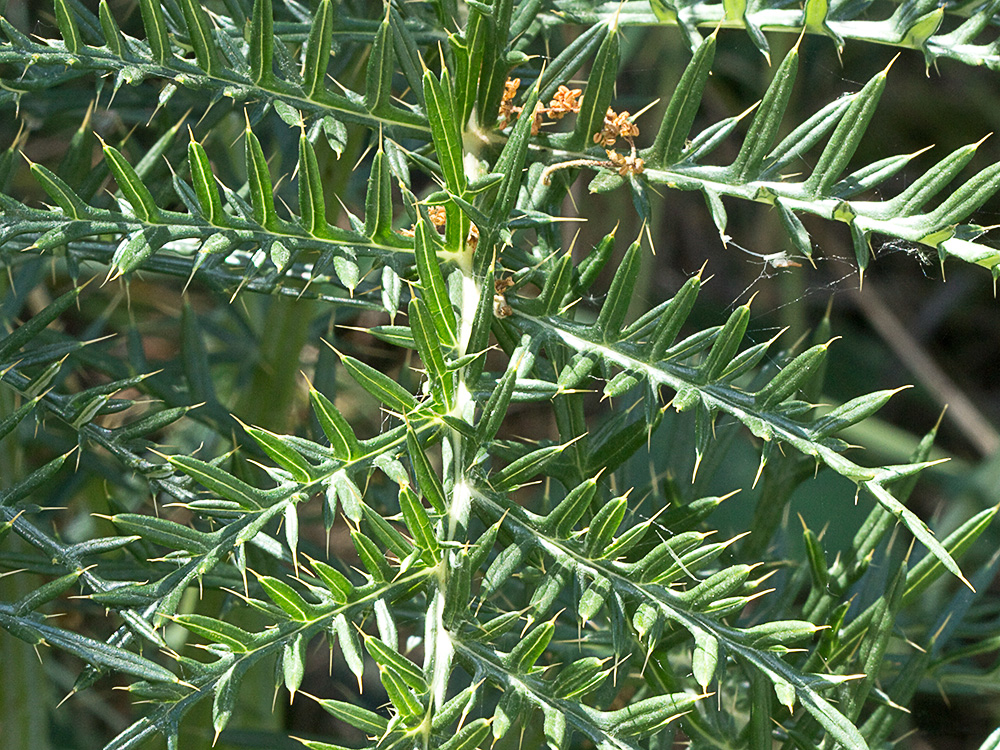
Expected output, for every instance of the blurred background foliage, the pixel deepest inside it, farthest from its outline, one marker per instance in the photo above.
(904, 326)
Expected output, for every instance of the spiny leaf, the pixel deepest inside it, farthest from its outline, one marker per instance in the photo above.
(343, 442)
(157, 34)
(427, 479)
(791, 377)
(132, 187)
(600, 89)
(261, 191)
(109, 27)
(287, 598)
(683, 106)
(611, 319)
(312, 203)
(317, 54)
(381, 386)
(378, 200)
(261, 42)
(200, 34)
(355, 716)
(378, 81)
(435, 293)
(846, 137)
(445, 130)
(203, 181)
(726, 344)
(217, 631)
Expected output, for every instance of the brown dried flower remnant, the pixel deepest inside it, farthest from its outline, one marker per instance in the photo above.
(507, 108)
(626, 165)
(616, 126)
(539, 115)
(437, 215)
(566, 100)
(473, 239)
(500, 307)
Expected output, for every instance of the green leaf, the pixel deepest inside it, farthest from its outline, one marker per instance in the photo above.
(767, 120)
(287, 598)
(64, 196)
(112, 34)
(203, 181)
(429, 345)
(217, 631)
(524, 468)
(643, 718)
(852, 412)
(293, 662)
(930, 567)
(435, 292)
(468, 51)
(511, 165)
(802, 138)
(381, 386)
(350, 646)
(407, 55)
(445, 130)
(469, 737)
(611, 319)
(405, 669)
(98, 653)
(46, 593)
(604, 525)
(726, 344)
(348, 493)
(580, 678)
(530, 648)
(427, 479)
(355, 716)
(338, 584)
(258, 176)
(561, 519)
(381, 66)
(846, 137)
(418, 522)
(166, 533)
(390, 538)
(704, 658)
(794, 228)
(312, 204)
(200, 35)
(790, 378)
(371, 557)
(873, 647)
(343, 442)
(410, 709)
(557, 285)
(495, 409)
(218, 481)
(135, 192)
(683, 107)
(26, 333)
(281, 451)
(673, 317)
(317, 54)
(599, 91)
(261, 42)
(378, 200)
(156, 31)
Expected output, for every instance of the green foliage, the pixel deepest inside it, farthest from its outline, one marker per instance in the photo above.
(393, 227)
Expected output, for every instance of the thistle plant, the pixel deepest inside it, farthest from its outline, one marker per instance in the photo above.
(270, 328)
